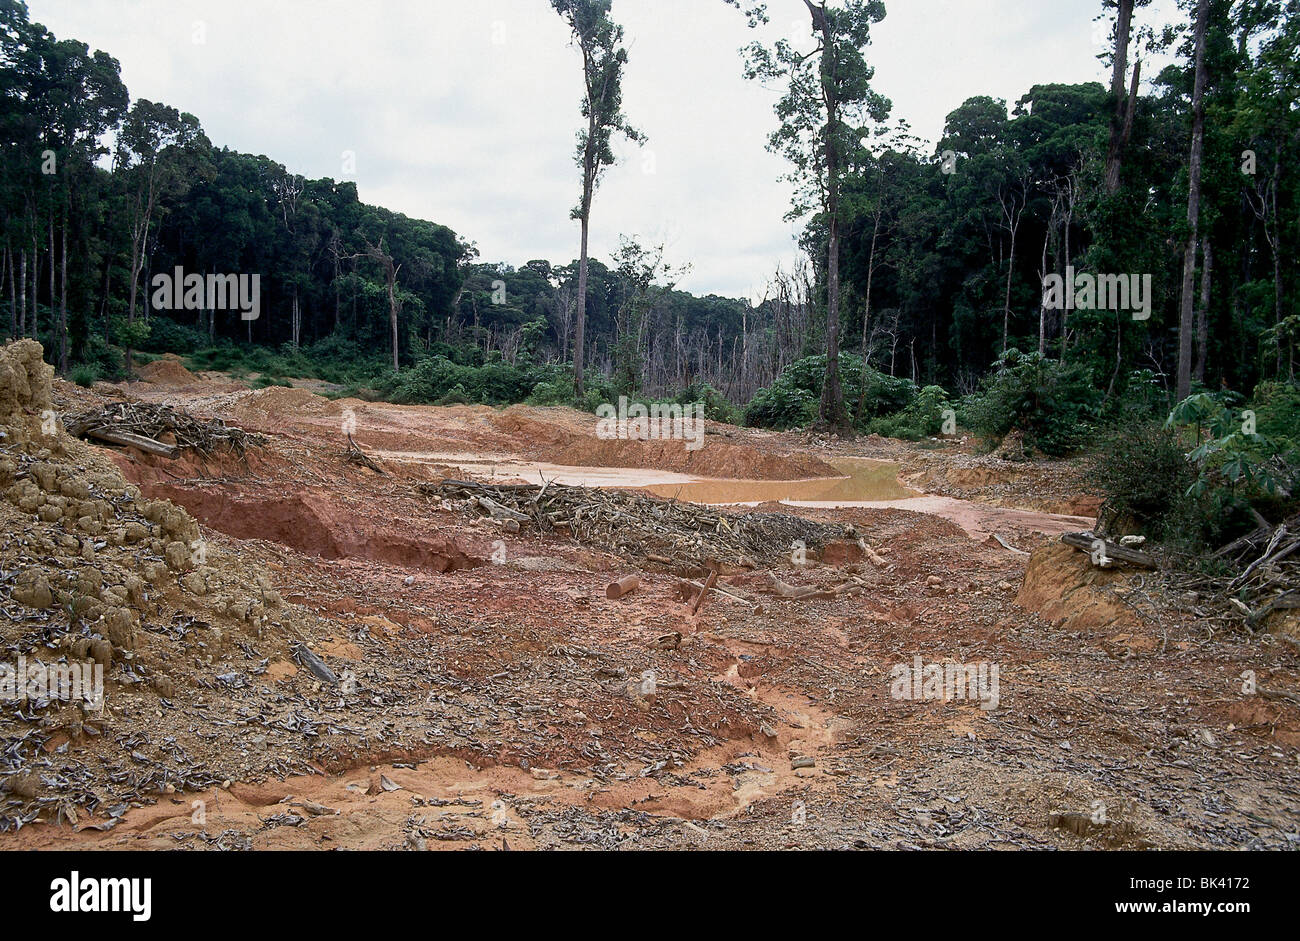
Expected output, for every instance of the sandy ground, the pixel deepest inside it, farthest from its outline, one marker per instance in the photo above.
(496, 704)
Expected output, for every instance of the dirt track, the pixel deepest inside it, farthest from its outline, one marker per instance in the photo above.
(489, 702)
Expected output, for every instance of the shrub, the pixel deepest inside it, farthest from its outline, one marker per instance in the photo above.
(781, 408)
(1052, 404)
(921, 419)
(85, 375)
(783, 404)
(1277, 412)
(716, 406)
(1144, 475)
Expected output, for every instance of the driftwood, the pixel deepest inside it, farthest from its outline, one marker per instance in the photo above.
(127, 439)
(624, 586)
(1008, 546)
(356, 456)
(640, 525)
(143, 425)
(1087, 542)
(704, 592)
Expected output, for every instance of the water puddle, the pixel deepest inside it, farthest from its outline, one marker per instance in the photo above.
(864, 481)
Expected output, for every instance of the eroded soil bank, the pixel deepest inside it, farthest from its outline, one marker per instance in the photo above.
(487, 692)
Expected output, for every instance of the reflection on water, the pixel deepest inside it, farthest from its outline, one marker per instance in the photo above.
(865, 480)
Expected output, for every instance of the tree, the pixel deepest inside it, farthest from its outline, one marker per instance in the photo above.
(827, 100)
(1185, 325)
(600, 40)
(151, 152)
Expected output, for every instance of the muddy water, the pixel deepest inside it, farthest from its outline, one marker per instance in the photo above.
(865, 481)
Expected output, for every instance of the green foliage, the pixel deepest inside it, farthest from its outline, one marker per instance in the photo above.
(781, 407)
(85, 375)
(131, 335)
(168, 336)
(920, 419)
(1144, 475)
(1229, 454)
(1053, 405)
(437, 380)
(716, 406)
(1277, 412)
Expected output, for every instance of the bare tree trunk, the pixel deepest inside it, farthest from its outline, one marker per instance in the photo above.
(1123, 29)
(13, 292)
(22, 286)
(866, 316)
(1184, 385)
(832, 405)
(1013, 224)
(1203, 314)
(63, 301)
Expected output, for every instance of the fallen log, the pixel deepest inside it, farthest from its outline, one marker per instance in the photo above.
(1289, 600)
(624, 586)
(1087, 542)
(127, 439)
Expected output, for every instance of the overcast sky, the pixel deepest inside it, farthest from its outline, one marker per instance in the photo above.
(465, 112)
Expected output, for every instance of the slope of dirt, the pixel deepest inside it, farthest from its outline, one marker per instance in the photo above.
(167, 371)
(505, 704)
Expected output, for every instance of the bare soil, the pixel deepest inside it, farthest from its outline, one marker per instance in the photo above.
(489, 693)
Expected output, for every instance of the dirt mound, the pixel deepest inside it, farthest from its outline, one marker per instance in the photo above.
(1063, 586)
(106, 575)
(167, 371)
(717, 457)
(25, 380)
(282, 401)
(980, 476)
(315, 524)
(1078, 506)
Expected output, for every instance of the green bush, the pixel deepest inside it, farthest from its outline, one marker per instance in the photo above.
(784, 404)
(921, 419)
(85, 375)
(1144, 475)
(1053, 405)
(781, 408)
(436, 379)
(168, 336)
(1277, 412)
(716, 406)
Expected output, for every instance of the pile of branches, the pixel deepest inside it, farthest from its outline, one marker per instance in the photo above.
(640, 525)
(1265, 574)
(153, 422)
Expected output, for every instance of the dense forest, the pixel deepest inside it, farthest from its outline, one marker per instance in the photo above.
(927, 262)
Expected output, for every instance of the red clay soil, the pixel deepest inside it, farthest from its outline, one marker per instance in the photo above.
(498, 700)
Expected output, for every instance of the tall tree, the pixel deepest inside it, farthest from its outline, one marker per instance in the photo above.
(600, 40)
(1187, 301)
(826, 103)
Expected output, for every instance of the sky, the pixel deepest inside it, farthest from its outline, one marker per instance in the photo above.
(465, 113)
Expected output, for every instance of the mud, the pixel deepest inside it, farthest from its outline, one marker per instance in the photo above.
(497, 703)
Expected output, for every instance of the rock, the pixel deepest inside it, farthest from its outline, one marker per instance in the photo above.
(803, 761)
(119, 623)
(34, 591)
(1133, 541)
(101, 651)
(934, 580)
